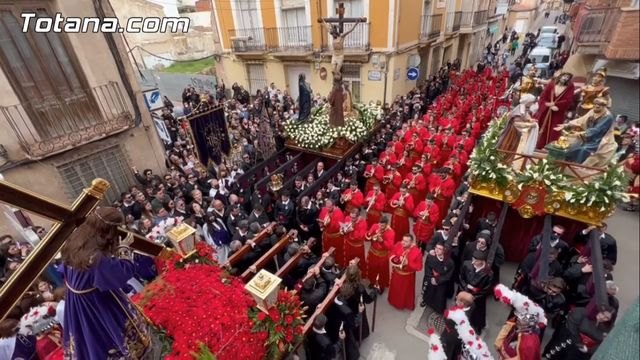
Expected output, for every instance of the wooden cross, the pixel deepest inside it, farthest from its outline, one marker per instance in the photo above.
(341, 20)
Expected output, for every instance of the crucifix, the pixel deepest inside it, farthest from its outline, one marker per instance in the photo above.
(335, 27)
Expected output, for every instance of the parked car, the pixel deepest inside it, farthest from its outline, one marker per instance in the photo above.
(549, 30)
(548, 40)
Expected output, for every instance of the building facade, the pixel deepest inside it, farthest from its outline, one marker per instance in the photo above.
(605, 34)
(276, 40)
(70, 109)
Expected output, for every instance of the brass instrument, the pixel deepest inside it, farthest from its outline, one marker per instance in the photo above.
(324, 222)
(346, 227)
(387, 179)
(404, 259)
(412, 183)
(346, 198)
(372, 201)
(401, 200)
(368, 174)
(377, 236)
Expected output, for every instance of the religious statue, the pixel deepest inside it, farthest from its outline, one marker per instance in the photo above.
(336, 101)
(347, 104)
(337, 56)
(528, 82)
(591, 135)
(304, 98)
(595, 89)
(554, 102)
(521, 133)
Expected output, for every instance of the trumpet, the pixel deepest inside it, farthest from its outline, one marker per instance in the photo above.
(371, 202)
(346, 227)
(412, 183)
(401, 200)
(324, 222)
(387, 179)
(368, 174)
(345, 198)
(424, 215)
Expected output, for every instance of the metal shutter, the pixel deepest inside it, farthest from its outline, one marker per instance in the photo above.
(624, 95)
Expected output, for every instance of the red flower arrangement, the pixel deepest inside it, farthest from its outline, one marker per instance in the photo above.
(283, 325)
(192, 304)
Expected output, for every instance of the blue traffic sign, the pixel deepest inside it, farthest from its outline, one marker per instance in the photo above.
(413, 73)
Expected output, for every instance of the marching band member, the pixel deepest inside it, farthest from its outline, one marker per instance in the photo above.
(432, 151)
(382, 238)
(406, 260)
(416, 182)
(427, 216)
(352, 198)
(391, 182)
(354, 230)
(329, 219)
(442, 187)
(425, 165)
(415, 147)
(374, 173)
(402, 206)
(375, 202)
(404, 164)
(438, 275)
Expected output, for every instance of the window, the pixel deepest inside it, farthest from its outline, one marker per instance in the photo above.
(426, 7)
(292, 18)
(43, 72)
(247, 18)
(257, 78)
(351, 76)
(353, 9)
(294, 30)
(109, 164)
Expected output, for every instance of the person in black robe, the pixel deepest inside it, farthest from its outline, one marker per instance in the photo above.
(258, 215)
(608, 244)
(304, 98)
(483, 243)
(487, 223)
(306, 219)
(581, 334)
(319, 345)
(342, 317)
(285, 210)
(529, 270)
(313, 291)
(438, 272)
(360, 296)
(476, 278)
(556, 242)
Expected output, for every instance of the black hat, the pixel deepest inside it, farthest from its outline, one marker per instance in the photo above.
(480, 255)
(482, 235)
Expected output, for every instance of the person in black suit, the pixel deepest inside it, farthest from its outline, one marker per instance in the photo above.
(285, 210)
(476, 278)
(258, 215)
(608, 244)
(319, 345)
(341, 317)
(313, 291)
(487, 223)
(306, 215)
(556, 242)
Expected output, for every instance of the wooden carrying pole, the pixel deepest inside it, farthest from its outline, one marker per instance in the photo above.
(295, 259)
(245, 249)
(264, 259)
(320, 263)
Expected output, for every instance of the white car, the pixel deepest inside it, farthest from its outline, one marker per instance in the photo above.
(548, 40)
(549, 30)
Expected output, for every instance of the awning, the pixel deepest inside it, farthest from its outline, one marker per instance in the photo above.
(621, 69)
(579, 64)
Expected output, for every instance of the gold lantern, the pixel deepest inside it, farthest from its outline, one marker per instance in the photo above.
(264, 289)
(183, 238)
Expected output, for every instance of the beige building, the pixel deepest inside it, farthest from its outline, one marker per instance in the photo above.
(275, 40)
(70, 109)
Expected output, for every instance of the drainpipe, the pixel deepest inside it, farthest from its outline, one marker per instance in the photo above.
(386, 76)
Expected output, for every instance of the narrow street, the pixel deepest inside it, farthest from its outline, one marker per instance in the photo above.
(404, 333)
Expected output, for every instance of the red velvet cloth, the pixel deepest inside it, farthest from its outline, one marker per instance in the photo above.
(517, 231)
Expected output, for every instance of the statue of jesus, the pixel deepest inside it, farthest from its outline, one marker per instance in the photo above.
(337, 57)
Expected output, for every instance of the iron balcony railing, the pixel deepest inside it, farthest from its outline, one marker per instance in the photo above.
(431, 26)
(453, 21)
(598, 25)
(466, 19)
(480, 17)
(357, 40)
(290, 38)
(59, 122)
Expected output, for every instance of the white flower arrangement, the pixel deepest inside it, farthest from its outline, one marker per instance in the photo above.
(317, 133)
(544, 172)
(602, 192)
(470, 340)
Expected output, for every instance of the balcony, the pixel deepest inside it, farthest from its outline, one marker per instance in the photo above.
(470, 21)
(356, 42)
(64, 121)
(480, 18)
(248, 40)
(290, 39)
(431, 27)
(595, 29)
(454, 20)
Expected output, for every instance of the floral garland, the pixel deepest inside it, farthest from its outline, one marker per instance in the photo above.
(486, 163)
(436, 350)
(486, 166)
(544, 172)
(283, 324)
(603, 192)
(471, 341)
(521, 304)
(317, 133)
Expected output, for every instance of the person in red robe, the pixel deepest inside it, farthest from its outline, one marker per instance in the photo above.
(447, 142)
(374, 173)
(382, 238)
(354, 228)
(414, 147)
(402, 205)
(553, 104)
(352, 198)
(406, 260)
(375, 202)
(388, 157)
(416, 182)
(392, 181)
(427, 215)
(425, 166)
(442, 187)
(329, 219)
(432, 151)
(404, 164)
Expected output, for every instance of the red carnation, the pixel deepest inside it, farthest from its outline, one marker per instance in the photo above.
(431, 331)
(434, 348)
(471, 332)
(274, 315)
(51, 311)
(261, 316)
(289, 338)
(288, 319)
(470, 343)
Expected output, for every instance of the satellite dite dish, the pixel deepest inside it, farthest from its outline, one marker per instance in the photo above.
(414, 60)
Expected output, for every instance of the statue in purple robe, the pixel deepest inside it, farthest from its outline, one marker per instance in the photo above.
(100, 321)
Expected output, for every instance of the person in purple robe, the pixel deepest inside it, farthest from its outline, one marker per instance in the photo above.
(100, 321)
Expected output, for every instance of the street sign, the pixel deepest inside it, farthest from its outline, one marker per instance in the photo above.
(153, 99)
(413, 73)
(375, 75)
